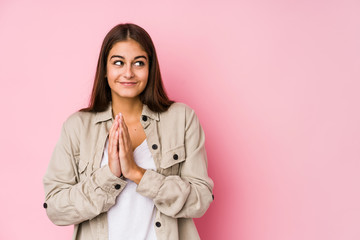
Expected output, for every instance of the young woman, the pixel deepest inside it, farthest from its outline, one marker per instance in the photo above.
(133, 164)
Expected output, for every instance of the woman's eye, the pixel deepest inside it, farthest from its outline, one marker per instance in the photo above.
(139, 63)
(118, 63)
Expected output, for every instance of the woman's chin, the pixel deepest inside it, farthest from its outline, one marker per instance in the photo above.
(127, 95)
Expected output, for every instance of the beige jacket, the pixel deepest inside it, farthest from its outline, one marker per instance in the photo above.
(78, 191)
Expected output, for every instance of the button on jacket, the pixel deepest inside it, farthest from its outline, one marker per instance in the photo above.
(78, 191)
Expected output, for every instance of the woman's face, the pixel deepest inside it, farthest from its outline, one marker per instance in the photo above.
(127, 69)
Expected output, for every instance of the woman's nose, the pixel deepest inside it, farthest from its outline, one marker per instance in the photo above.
(129, 72)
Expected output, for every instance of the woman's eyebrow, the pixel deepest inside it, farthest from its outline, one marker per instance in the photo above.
(140, 57)
(118, 56)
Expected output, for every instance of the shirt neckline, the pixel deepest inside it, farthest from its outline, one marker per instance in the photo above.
(140, 146)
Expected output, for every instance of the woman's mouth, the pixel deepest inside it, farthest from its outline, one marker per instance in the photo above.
(128, 84)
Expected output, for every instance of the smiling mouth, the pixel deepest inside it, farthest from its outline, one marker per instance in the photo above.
(128, 83)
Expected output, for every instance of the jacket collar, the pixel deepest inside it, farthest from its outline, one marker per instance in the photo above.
(147, 112)
(107, 114)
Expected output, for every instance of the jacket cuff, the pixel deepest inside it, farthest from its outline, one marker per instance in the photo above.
(150, 184)
(108, 182)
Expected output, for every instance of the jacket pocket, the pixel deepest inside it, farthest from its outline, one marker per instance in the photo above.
(172, 159)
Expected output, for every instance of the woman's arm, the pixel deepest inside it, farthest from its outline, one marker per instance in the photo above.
(190, 194)
(69, 200)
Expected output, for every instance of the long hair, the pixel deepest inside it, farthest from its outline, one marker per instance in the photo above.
(154, 95)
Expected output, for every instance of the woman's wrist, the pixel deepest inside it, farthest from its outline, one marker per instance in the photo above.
(136, 175)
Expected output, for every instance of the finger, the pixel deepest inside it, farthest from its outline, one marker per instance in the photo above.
(126, 130)
(125, 134)
(124, 127)
(116, 142)
(113, 127)
(118, 118)
(110, 139)
(120, 142)
(111, 132)
(124, 124)
(113, 138)
(122, 139)
(120, 130)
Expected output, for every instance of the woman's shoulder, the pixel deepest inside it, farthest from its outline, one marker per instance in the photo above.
(178, 110)
(179, 107)
(180, 118)
(79, 119)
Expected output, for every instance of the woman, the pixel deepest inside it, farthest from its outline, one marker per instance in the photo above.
(133, 164)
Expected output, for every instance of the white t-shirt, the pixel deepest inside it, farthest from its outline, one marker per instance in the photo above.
(132, 216)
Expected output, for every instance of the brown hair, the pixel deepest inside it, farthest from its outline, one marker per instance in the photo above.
(154, 95)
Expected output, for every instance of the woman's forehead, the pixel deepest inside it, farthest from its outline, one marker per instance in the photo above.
(128, 48)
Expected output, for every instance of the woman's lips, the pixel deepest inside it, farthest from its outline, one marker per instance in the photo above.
(128, 83)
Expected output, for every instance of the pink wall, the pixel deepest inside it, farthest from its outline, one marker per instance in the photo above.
(274, 83)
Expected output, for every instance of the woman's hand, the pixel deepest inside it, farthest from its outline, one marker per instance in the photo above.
(113, 149)
(128, 166)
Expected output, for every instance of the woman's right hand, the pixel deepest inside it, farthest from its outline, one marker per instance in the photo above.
(113, 150)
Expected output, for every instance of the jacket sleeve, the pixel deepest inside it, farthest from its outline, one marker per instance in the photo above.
(190, 194)
(68, 200)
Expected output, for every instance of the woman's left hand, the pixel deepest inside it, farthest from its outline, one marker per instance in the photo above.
(129, 168)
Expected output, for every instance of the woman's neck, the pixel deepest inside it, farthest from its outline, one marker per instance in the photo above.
(130, 108)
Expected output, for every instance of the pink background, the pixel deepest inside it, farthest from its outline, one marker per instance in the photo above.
(274, 83)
